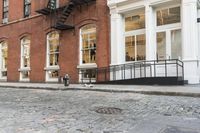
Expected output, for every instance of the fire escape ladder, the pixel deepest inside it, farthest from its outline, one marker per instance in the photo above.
(50, 7)
(60, 24)
(66, 11)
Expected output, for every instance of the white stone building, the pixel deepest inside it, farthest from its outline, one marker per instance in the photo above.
(156, 29)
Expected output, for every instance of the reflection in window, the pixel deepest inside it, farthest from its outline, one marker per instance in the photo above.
(168, 16)
(89, 73)
(176, 48)
(135, 22)
(135, 48)
(4, 57)
(161, 45)
(88, 36)
(53, 49)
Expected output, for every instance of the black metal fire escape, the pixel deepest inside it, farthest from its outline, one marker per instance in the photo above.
(66, 11)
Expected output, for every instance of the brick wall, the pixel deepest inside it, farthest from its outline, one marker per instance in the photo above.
(37, 27)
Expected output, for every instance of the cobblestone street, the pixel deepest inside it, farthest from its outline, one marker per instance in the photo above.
(43, 111)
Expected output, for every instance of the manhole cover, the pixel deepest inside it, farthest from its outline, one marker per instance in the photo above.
(108, 110)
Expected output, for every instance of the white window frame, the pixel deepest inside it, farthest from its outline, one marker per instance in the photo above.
(83, 66)
(49, 68)
(167, 29)
(4, 78)
(134, 32)
(22, 68)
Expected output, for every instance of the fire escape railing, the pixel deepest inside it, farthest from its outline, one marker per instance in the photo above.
(65, 13)
(135, 70)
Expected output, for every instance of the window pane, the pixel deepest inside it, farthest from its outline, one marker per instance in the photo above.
(141, 47)
(90, 73)
(53, 51)
(4, 56)
(135, 22)
(88, 44)
(25, 52)
(4, 73)
(161, 45)
(130, 48)
(53, 74)
(168, 16)
(176, 48)
(53, 59)
(25, 74)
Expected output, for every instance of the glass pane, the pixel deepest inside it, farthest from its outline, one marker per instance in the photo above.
(88, 73)
(135, 22)
(141, 47)
(25, 74)
(53, 74)
(54, 59)
(168, 16)
(130, 48)
(161, 45)
(4, 73)
(176, 48)
(88, 44)
(53, 39)
(4, 51)
(25, 52)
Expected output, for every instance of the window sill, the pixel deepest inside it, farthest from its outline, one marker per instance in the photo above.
(51, 68)
(88, 65)
(25, 80)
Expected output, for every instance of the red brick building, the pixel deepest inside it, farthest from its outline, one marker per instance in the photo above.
(67, 37)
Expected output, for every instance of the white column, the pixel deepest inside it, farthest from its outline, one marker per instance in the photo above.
(117, 39)
(150, 33)
(190, 40)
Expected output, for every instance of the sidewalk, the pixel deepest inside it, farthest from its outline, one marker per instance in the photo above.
(187, 90)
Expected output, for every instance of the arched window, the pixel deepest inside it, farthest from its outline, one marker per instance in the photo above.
(88, 44)
(52, 56)
(25, 59)
(3, 59)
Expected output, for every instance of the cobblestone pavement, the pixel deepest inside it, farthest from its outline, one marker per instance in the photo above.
(43, 111)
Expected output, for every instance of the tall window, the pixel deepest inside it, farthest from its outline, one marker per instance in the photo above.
(135, 42)
(5, 11)
(169, 33)
(3, 59)
(88, 44)
(27, 8)
(25, 59)
(52, 66)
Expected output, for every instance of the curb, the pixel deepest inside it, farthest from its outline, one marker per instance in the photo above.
(164, 93)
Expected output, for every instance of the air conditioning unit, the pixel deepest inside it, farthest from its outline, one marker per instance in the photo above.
(5, 20)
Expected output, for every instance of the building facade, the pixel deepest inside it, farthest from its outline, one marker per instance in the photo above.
(33, 49)
(156, 30)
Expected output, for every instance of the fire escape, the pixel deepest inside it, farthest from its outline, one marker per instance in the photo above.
(66, 10)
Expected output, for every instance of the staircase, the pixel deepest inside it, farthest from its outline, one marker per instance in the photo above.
(66, 11)
(60, 24)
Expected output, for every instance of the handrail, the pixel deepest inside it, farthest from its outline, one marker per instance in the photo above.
(132, 70)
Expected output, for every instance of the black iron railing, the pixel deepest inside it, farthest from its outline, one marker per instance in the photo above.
(133, 70)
